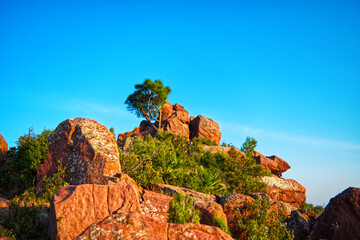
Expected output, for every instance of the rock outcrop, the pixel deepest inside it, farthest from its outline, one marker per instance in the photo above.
(205, 203)
(3, 148)
(205, 128)
(75, 208)
(275, 164)
(341, 218)
(155, 205)
(285, 190)
(300, 224)
(175, 119)
(133, 225)
(86, 148)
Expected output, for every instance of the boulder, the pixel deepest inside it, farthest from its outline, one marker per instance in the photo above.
(300, 224)
(341, 218)
(155, 205)
(275, 164)
(285, 190)
(133, 225)
(3, 148)
(75, 208)
(205, 128)
(4, 208)
(205, 203)
(86, 148)
(220, 149)
(141, 131)
(175, 119)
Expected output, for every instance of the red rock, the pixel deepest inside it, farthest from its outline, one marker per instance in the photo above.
(156, 205)
(4, 208)
(285, 190)
(300, 224)
(220, 149)
(205, 203)
(123, 136)
(74, 208)
(175, 119)
(231, 205)
(141, 131)
(137, 226)
(86, 148)
(3, 148)
(341, 218)
(205, 128)
(275, 164)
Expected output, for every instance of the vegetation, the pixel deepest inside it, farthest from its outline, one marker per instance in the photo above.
(219, 222)
(182, 209)
(318, 210)
(168, 158)
(147, 101)
(257, 221)
(18, 172)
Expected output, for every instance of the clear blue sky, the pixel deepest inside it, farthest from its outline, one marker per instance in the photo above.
(286, 73)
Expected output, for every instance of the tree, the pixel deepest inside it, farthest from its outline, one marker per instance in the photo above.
(147, 101)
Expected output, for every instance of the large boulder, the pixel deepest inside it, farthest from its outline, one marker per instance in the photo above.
(75, 208)
(175, 119)
(205, 203)
(341, 218)
(300, 224)
(133, 225)
(275, 164)
(86, 148)
(205, 128)
(285, 190)
(3, 148)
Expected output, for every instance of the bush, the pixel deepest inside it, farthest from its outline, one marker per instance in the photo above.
(220, 223)
(24, 222)
(318, 210)
(170, 159)
(256, 221)
(182, 209)
(20, 169)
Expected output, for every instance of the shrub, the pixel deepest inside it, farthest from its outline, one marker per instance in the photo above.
(24, 222)
(256, 221)
(170, 159)
(20, 169)
(182, 209)
(219, 222)
(318, 210)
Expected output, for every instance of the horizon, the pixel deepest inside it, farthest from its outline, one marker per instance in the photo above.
(286, 74)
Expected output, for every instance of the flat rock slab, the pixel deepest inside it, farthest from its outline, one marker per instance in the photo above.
(138, 226)
(74, 208)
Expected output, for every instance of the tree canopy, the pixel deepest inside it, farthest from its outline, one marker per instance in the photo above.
(147, 101)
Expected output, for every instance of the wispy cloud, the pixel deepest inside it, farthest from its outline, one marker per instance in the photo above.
(281, 136)
(82, 106)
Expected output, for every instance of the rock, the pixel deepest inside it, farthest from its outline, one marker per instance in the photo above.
(133, 225)
(155, 205)
(285, 190)
(74, 208)
(141, 131)
(4, 208)
(86, 148)
(127, 145)
(175, 119)
(300, 224)
(3, 148)
(341, 218)
(275, 164)
(205, 203)
(205, 128)
(220, 149)
(232, 204)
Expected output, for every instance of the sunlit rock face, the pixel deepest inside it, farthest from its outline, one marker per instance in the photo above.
(86, 148)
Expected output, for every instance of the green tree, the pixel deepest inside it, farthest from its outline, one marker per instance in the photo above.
(147, 101)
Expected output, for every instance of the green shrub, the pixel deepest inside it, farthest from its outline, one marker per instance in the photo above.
(24, 222)
(318, 210)
(170, 159)
(182, 209)
(257, 222)
(20, 170)
(219, 222)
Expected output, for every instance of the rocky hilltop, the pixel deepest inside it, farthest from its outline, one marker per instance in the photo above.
(103, 202)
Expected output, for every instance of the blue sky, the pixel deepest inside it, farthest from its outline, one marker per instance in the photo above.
(286, 73)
